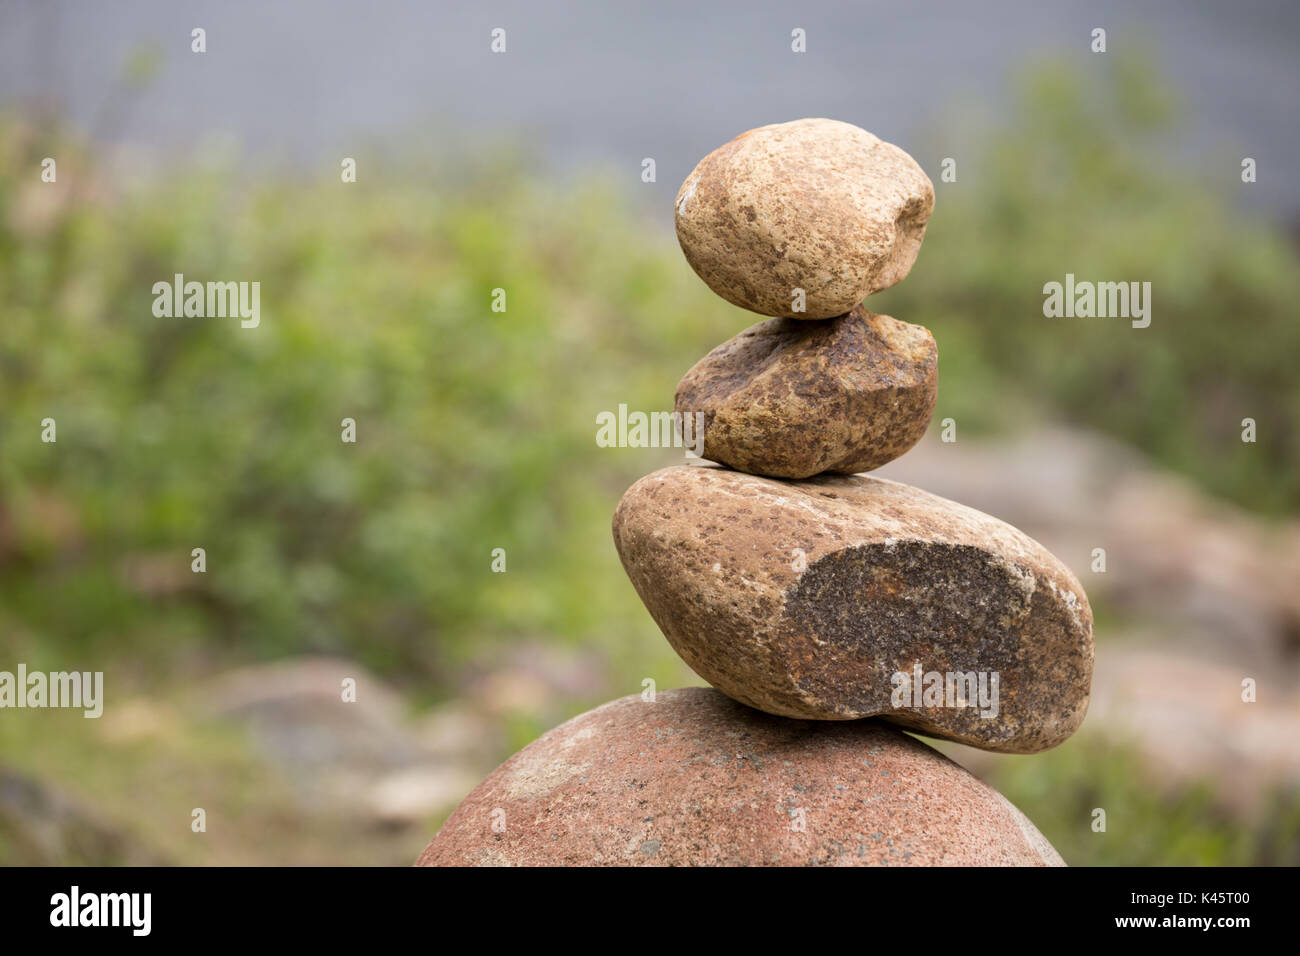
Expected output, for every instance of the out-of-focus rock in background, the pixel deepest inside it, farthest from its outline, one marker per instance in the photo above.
(42, 826)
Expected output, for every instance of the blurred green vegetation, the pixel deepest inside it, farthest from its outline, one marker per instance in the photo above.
(1074, 187)
(1147, 823)
(476, 428)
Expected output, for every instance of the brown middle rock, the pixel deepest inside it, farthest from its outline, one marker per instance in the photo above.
(792, 398)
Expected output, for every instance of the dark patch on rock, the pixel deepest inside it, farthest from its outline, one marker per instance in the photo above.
(862, 615)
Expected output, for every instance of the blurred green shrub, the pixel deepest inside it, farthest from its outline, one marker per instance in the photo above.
(1146, 823)
(475, 429)
(1073, 187)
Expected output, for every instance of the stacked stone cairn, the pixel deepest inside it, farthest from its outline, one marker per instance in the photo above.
(828, 609)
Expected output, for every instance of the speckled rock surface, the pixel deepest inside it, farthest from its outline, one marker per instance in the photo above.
(813, 204)
(696, 779)
(791, 398)
(806, 599)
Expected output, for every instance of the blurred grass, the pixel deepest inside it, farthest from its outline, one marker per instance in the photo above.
(1147, 823)
(476, 429)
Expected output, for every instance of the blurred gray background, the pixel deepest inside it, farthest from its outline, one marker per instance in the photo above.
(589, 81)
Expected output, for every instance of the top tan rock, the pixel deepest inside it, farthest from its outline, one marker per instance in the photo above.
(814, 204)
(694, 779)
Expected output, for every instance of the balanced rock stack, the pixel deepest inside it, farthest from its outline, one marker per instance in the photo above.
(830, 608)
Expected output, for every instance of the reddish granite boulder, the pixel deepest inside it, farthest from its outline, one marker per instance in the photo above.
(693, 778)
